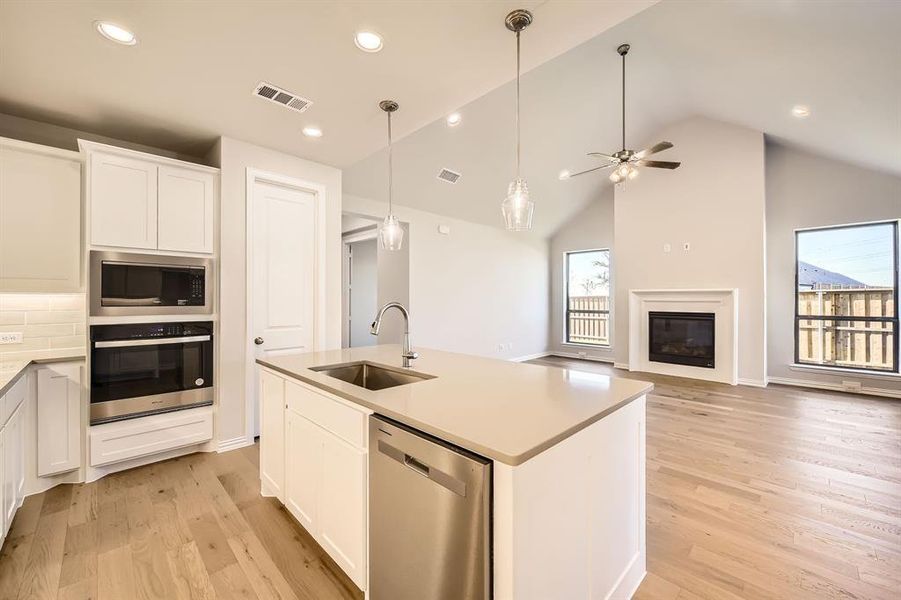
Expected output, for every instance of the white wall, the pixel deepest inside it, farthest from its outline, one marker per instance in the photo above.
(474, 289)
(716, 202)
(364, 270)
(234, 158)
(591, 228)
(804, 190)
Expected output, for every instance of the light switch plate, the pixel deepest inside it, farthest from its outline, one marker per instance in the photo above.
(14, 337)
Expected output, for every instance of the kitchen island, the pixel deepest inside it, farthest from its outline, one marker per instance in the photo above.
(567, 450)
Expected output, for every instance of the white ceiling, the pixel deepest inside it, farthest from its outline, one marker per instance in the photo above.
(743, 62)
(190, 77)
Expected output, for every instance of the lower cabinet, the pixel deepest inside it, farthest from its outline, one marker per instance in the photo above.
(325, 466)
(12, 467)
(59, 418)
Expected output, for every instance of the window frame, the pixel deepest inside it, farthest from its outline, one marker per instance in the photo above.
(566, 311)
(896, 224)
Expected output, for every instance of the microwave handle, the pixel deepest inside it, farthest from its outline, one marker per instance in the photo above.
(152, 342)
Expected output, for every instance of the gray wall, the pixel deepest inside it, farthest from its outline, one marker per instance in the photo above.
(804, 190)
(591, 228)
(363, 292)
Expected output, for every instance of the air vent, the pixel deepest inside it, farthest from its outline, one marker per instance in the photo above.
(449, 176)
(273, 93)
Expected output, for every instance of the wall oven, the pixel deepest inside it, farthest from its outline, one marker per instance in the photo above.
(124, 284)
(144, 368)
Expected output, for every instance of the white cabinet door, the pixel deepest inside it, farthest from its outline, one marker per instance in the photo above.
(186, 209)
(123, 197)
(13, 469)
(5, 486)
(19, 462)
(272, 435)
(40, 219)
(59, 418)
(303, 445)
(342, 512)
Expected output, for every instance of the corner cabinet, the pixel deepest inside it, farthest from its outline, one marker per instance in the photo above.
(58, 418)
(40, 218)
(314, 458)
(138, 200)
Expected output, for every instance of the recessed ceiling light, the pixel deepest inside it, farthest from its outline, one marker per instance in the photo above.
(564, 174)
(801, 111)
(115, 33)
(314, 132)
(368, 41)
(454, 119)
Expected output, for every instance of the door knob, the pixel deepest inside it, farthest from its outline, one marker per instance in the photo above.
(258, 341)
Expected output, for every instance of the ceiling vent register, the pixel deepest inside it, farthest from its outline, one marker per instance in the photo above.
(449, 176)
(275, 94)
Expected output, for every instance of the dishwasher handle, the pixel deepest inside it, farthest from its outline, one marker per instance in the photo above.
(438, 476)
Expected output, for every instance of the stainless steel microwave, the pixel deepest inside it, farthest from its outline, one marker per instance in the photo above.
(125, 284)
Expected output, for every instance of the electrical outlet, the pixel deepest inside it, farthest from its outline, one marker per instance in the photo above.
(11, 338)
(851, 386)
(686, 246)
(667, 248)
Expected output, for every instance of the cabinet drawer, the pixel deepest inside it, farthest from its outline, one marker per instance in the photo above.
(14, 396)
(332, 415)
(124, 440)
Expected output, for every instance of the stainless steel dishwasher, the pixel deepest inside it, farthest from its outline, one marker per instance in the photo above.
(429, 517)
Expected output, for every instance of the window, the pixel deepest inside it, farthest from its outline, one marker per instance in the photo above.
(846, 296)
(588, 297)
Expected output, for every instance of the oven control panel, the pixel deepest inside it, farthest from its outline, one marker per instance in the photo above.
(145, 331)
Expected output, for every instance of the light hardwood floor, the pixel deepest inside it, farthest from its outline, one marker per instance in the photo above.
(752, 493)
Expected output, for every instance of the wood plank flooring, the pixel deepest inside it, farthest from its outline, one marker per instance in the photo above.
(752, 493)
(193, 527)
(769, 493)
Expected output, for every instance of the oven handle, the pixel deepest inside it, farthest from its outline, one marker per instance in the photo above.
(151, 342)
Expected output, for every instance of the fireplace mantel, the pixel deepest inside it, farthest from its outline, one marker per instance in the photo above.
(723, 303)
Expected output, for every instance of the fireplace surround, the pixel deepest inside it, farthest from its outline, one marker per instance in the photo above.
(722, 303)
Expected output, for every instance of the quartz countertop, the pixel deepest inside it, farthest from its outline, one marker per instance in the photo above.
(12, 365)
(506, 411)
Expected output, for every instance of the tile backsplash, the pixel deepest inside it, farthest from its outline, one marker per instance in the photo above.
(46, 321)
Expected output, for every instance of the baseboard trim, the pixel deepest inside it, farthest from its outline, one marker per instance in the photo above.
(234, 444)
(623, 366)
(752, 382)
(530, 356)
(576, 356)
(836, 387)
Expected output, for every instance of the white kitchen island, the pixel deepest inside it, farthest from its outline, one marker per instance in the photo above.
(567, 450)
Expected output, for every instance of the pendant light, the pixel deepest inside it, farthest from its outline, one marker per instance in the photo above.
(391, 234)
(517, 208)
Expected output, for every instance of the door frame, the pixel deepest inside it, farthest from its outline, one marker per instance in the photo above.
(254, 176)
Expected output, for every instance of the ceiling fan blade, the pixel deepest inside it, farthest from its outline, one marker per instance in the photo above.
(604, 156)
(588, 171)
(658, 147)
(659, 164)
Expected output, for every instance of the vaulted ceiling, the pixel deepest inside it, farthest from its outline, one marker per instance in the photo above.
(747, 63)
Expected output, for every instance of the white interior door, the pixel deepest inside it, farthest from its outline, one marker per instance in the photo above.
(283, 272)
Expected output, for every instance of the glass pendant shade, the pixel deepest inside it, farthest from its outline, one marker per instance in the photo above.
(517, 208)
(391, 234)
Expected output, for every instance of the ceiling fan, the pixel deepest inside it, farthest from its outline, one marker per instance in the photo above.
(625, 163)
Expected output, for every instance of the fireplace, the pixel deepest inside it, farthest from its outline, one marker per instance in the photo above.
(682, 338)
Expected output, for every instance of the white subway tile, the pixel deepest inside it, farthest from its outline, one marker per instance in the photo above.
(67, 302)
(71, 341)
(24, 302)
(34, 317)
(12, 317)
(41, 343)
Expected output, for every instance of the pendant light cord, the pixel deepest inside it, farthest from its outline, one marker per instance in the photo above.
(517, 105)
(624, 101)
(390, 164)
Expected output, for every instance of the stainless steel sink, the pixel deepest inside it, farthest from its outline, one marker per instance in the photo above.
(371, 376)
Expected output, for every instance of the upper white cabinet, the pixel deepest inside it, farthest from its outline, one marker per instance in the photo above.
(123, 195)
(139, 200)
(186, 209)
(40, 218)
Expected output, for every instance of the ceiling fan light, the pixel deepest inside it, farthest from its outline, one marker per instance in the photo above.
(615, 177)
(517, 208)
(633, 173)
